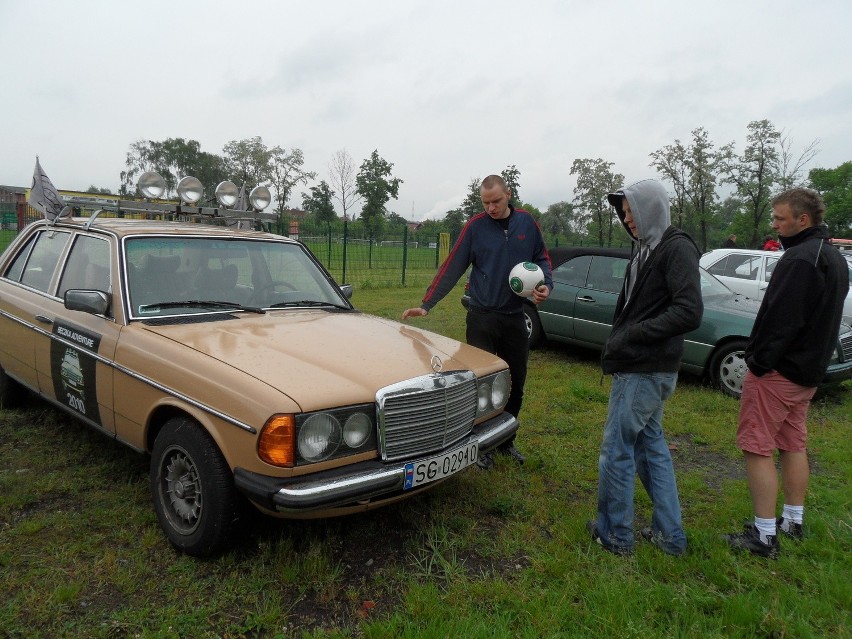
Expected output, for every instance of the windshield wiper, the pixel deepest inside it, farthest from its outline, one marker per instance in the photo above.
(203, 304)
(308, 303)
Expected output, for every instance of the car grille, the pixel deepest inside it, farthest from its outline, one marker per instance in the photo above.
(425, 414)
(846, 344)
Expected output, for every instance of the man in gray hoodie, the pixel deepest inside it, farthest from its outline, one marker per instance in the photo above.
(659, 302)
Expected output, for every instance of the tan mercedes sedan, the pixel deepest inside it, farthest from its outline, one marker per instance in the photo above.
(235, 361)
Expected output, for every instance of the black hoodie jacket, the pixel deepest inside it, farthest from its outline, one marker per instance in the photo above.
(665, 300)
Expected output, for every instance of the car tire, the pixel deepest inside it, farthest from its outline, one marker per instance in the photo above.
(12, 394)
(193, 489)
(728, 368)
(534, 331)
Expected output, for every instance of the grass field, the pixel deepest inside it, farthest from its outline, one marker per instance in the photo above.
(500, 554)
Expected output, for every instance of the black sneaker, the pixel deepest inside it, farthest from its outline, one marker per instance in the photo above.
(794, 530)
(592, 527)
(514, 453)
(749, 539)
(486, 460)
(648, 535)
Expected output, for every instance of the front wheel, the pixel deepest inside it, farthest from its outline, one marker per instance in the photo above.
(728, 368)
(193, 489)
(12, 394)
(533, 323)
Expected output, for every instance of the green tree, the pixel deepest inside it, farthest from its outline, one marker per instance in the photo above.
(835, 187)
(319, 203)
(173, 158)
(454, 222)
(248, 162)
(376, 186)
(531, 209)
(703, 165)
(95, 189)
(594, 180)
(671, 162)
(557, 219)
(472, 203)
(754, 173)
(285, 172)
(512, 176)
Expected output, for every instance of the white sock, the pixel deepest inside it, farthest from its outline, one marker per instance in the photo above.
(792, 515)
(766, 528)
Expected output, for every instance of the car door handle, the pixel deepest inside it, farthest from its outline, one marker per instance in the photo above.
(586, 298)
(43, 319)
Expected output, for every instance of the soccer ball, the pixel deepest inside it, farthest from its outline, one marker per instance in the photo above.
(525, 277)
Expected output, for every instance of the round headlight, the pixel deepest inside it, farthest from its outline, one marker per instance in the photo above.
(190, 189)
(483, 397)
(357, 429)
(260, 197)
(500, 390)
(318, 437)
(152, 185)
(227, 193)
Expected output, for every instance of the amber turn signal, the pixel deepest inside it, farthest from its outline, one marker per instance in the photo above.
(276, 444)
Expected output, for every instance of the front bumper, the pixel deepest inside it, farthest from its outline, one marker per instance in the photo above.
(366, 481)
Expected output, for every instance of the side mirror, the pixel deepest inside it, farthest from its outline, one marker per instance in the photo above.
(95, 302)
(347, 290)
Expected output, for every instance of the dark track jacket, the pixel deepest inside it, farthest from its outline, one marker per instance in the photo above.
(492, 253)
(665, 301)
(796, 327)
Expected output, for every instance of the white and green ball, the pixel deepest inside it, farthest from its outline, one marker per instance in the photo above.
(525, 277)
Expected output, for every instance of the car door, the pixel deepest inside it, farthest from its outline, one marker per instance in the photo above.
(767, 268)
(74, 356)
(27, 280)
(595, 306)
(557, 311)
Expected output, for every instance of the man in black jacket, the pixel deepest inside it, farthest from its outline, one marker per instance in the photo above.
(791, 343)
(660, 301)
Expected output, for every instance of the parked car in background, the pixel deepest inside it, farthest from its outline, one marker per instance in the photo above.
(235, 361)
(748, 271)
(580, 310)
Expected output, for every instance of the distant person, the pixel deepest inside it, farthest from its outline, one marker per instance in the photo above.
(660, 301)
(493, 242)
(771, 244)
(731, 242)
(791, 342)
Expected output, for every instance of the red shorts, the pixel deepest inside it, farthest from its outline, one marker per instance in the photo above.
(773, 411)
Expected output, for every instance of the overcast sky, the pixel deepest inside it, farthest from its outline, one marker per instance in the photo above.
(445, 90)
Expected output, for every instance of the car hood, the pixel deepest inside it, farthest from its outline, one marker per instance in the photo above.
(304, 353)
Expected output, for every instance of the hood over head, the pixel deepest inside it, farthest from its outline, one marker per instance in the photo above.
(649, 204)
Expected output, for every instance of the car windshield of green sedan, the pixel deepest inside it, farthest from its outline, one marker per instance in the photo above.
(234, 360)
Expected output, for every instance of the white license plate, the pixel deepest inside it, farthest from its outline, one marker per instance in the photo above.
(422, 472)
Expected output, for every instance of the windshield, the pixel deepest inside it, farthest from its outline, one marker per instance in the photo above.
(196, 275)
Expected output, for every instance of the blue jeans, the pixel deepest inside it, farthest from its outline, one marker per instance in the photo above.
(633, 443)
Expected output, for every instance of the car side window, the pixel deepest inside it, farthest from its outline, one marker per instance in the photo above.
(607, 273)
(744, 267)
(770, 267)
(573, 272)
(43, 258)
(87, 266)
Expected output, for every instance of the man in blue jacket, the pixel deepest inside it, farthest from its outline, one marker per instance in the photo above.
(791, 343)
(659, 302)
(492, 242)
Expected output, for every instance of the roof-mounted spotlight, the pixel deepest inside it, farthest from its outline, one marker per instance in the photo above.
(190, 189)
(152, 185)
(227, 193)
(260, 197)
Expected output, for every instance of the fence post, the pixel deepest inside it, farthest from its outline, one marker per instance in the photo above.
(404, 251)
(329, 246)
(345, 243)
